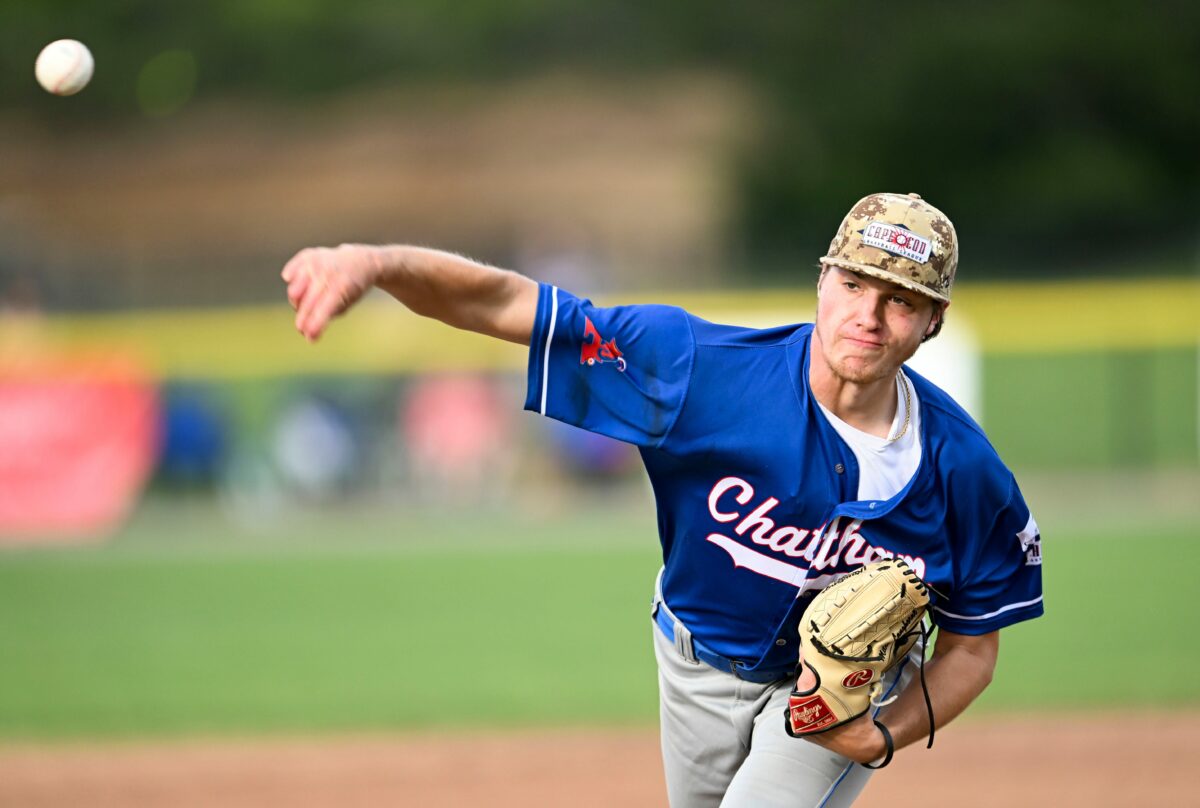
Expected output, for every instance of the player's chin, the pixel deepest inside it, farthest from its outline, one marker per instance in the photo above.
(863, 370)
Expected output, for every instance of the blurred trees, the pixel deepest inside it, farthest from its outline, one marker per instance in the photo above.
(1058, 135)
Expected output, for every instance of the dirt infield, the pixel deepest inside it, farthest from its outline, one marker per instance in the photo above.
(1109, 760)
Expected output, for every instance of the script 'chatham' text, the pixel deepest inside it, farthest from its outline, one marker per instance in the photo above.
(824, 548)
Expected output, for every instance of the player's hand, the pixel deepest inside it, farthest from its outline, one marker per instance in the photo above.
(323, 282)
(860, 740)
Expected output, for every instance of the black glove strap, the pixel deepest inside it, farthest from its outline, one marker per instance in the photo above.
(891, 748)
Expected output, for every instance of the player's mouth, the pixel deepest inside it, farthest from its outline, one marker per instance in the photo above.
(870, 345)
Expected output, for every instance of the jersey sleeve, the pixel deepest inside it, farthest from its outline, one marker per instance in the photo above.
(1000, 573)
(623, 372)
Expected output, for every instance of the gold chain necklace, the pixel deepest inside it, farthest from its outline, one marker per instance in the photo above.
(907, 407)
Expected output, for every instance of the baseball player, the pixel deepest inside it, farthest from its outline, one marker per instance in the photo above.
(781, 460)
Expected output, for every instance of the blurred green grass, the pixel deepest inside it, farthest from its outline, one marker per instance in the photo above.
(357, 620)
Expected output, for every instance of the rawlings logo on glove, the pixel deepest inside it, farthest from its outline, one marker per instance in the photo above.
(853, 632)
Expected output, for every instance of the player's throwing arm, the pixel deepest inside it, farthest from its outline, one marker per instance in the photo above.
(324, 282)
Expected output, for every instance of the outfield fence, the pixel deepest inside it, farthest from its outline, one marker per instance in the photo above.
(1095, 374)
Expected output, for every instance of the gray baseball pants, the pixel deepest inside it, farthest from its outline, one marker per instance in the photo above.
(724, 743)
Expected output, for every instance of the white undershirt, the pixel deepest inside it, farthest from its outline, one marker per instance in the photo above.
(884, 465)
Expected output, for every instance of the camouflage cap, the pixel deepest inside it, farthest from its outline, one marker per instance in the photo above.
(899, 238)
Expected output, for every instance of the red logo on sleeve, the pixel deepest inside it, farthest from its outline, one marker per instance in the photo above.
(596, 351)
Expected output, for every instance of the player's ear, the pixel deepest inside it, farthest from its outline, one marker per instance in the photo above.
(935, 322)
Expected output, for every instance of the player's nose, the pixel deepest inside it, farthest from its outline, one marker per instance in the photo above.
(869, 311)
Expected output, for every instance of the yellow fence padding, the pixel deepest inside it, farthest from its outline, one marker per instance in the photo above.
(381, 337)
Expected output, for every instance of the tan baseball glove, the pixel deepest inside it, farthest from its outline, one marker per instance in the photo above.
(854, 631)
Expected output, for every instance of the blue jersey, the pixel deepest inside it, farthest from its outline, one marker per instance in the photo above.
(756, 492)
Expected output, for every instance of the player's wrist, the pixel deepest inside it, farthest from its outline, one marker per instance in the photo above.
(377, 260)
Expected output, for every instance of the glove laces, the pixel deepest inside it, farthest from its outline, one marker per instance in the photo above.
(923, 632)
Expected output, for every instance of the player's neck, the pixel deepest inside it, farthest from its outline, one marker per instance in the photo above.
(869, 406)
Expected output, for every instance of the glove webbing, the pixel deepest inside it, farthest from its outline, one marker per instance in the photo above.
(841, 648)
(869, 654)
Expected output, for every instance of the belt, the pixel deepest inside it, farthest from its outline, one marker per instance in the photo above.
(693, 650)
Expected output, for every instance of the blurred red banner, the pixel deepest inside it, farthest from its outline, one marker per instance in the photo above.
(78, 440)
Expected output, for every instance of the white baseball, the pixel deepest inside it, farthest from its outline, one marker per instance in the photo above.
(64, 67)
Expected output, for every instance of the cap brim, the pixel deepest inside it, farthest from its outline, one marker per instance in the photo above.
(876, 272)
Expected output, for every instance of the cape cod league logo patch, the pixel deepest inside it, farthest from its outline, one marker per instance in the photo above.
(897, 240)
(1031, 543)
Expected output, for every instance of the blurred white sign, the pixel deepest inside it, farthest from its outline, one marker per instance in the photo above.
(953, 362)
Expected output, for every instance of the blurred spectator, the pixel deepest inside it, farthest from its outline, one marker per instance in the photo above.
(458, 436)
(195, 439)
(315, 448)
(20, 295)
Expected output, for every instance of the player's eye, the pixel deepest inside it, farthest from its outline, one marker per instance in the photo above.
(903, 301)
